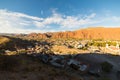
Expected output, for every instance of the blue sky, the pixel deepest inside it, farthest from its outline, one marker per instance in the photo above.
(26, 16)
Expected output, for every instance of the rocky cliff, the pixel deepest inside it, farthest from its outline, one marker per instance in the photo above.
(88, 33)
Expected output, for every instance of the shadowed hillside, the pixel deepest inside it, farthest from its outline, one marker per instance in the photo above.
(11, 43)
(28, 67)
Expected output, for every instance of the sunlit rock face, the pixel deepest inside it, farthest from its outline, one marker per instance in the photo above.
(89, 33)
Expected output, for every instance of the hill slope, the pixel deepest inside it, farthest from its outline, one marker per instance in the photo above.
(10, 43)
(3, 40)
(89, 33)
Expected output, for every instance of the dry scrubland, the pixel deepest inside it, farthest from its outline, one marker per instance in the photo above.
(4, 40)
(24, 67)
(65, 50)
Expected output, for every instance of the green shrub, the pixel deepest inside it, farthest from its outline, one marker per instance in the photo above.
(99, 44)
(83, 48)
(22, 51)
(112, 43)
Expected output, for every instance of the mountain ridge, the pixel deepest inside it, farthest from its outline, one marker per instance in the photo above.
(88, 33)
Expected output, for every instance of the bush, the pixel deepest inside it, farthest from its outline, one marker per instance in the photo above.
(106, 67)
(22, 51)
(99, 44)
(112, 43)
(83, 48)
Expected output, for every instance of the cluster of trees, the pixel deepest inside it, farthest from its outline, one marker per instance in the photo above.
(101, 43)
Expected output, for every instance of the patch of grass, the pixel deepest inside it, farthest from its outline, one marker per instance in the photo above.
(4, 40)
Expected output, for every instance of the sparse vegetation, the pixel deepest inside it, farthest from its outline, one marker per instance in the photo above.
(22, 57)
(65, 50)
(4, 40)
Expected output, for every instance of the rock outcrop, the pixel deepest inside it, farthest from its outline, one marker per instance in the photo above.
(88, 33)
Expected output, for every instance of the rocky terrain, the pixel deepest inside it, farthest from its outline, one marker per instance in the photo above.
(88, 33)
(60, 56)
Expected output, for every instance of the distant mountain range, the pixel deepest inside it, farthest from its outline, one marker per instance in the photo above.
(88, 33)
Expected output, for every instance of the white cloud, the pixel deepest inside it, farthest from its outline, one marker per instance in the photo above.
(91, 16)
(72, 22)
(15, 22)
(54, 19)
(66, 21)
(115, 18)
(4, 12)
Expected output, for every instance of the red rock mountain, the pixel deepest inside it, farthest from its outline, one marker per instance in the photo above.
(88, 33)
